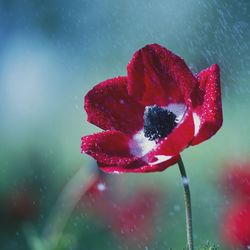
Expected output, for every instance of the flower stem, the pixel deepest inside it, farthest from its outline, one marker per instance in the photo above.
(65, 205)
(188, 210)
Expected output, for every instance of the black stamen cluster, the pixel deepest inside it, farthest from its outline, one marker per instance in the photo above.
(158, 122)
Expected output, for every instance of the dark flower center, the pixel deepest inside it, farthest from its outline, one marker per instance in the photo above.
(158, 122)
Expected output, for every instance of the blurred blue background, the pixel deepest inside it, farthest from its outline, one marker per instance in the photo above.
(53, 52)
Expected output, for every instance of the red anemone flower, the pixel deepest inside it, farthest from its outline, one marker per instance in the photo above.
(134, 219)
(153, 113)
(236, 229)
(130, 219)
(19, 205)
(236, 180)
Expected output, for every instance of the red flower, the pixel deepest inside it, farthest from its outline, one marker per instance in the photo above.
(236, 220)
(236, 229)
(134, 220)
(236, 180)
(131, 219)
(19, 205)
(152, 114)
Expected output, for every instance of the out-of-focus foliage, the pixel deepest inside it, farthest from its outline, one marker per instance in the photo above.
(53, 52)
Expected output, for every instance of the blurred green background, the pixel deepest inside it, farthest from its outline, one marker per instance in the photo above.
(53, 52)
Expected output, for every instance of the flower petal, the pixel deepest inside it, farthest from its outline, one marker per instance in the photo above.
(178, 140)
(157, 76)
(108, 147)
(206, 100)
(139, 166)
(109, 107)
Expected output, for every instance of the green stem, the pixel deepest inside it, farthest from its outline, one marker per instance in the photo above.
(188, 210)
(65, 205)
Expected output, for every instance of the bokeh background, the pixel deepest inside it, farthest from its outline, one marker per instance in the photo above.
(51, 53)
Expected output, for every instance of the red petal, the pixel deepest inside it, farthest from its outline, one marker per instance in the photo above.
(207, 105)
(109, 147)
(109, 107)
(178, 140)
(157, 76)
(139, 166)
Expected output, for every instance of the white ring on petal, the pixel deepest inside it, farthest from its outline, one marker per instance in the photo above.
(197, 123)
(141, 145)
(179, 109)
(160, 159)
